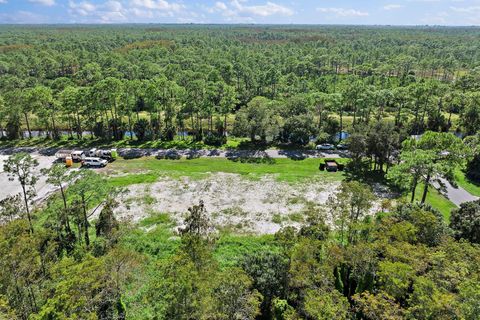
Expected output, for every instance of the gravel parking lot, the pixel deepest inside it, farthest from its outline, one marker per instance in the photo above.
(9, 188)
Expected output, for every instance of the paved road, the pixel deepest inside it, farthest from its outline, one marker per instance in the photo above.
(456, 195)
(137, 152)
(217, 153)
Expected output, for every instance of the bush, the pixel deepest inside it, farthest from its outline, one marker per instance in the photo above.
(427, 221)
(215, 140)
(116, 129)
(13, 128)
(473, 169)
(465, 221)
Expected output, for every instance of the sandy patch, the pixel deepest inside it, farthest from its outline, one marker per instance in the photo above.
(262, 207)
(12, 187)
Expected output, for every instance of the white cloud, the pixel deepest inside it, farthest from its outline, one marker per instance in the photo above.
(119, 11)
(343, 12)
(83, 8)
(220, 5)
(48, 3)
(469, 10)
(264, 10)
(439, 18)
(240, 11)
(157, 5)
(3, 1)
(389, 7)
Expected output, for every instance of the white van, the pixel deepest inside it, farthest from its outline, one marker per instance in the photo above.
(92, 152)
(78, 156)
(94, 162)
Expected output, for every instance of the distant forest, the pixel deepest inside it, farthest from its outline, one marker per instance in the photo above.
(158, 80)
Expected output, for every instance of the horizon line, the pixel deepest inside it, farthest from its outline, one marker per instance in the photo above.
(236, 24)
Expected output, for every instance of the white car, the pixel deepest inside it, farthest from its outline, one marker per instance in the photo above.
(325, 146)
(94, 162)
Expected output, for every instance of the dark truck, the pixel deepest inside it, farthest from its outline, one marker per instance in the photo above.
(331, 165)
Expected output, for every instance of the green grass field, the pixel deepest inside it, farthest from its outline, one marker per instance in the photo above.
(148, 170)
(436, 200)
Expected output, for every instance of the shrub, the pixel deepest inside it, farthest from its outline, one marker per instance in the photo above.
(215, 140)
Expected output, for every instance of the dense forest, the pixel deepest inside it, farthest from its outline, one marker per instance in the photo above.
(157, 81)
(409, 99)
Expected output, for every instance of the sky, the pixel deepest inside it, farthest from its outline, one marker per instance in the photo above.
(372, 12)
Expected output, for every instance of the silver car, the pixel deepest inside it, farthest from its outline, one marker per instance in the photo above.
(325, 146)
(94, 162)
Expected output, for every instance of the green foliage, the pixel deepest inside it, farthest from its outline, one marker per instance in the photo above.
(257, 119)
(377, 306)
(432, 155)
(268, 271)
(465, 221)
(428, 223)
(323, 305)
(348, 208)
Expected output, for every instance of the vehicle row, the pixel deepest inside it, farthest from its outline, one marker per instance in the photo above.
(90, 158)
(328, 146)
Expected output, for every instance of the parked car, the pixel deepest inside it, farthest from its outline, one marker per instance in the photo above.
(94, 162)
(92, 152)
(342, 146)
(325, 146)
(109, 155)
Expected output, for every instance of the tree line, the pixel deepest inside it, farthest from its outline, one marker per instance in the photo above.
(155, 83)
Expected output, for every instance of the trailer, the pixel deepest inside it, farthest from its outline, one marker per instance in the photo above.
(63, 154)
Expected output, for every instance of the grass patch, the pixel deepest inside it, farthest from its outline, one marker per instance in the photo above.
(156, 219)
(284, 169)
(296, 217)
(277, 218)
(470, 186)
(436, 200)
(123, 181)
(158, 243)
(231, 248)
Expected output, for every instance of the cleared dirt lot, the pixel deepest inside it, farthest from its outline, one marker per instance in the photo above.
(232, 201)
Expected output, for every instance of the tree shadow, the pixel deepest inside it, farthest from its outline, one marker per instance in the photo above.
(296, 155)
(129, 154)
(253, 145)
(250, 156)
